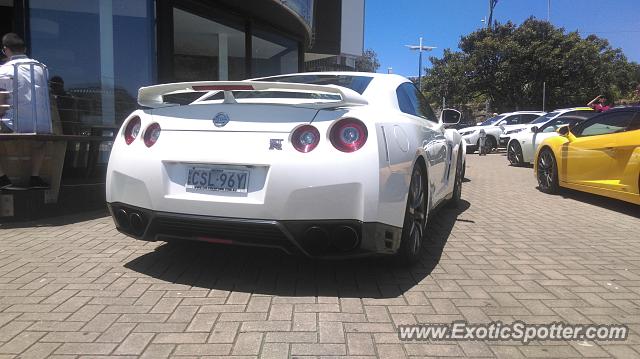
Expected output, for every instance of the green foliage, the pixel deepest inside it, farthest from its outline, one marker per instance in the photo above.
(508, 65)
(368, 62)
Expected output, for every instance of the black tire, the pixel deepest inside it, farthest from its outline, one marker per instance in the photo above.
(514, 154)
(415, 218)
(547, 172)
(457, 186)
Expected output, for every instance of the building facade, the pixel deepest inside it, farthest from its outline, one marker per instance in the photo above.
(101, 51)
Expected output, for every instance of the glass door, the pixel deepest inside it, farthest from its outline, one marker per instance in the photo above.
(204, 49)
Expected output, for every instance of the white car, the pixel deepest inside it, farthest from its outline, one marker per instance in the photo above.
(523, 145)
(330, 164)
(494, 127)
(538, 122)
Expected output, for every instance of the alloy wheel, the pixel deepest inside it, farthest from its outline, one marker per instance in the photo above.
(417, 211)
(546, 170)
(513, 155)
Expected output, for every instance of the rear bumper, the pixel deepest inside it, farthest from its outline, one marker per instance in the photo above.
(312, 238)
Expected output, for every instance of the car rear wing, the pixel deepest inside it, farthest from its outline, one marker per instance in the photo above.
(152, 96)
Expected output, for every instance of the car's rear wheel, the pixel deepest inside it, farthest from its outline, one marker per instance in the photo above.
(547, 172)
(514, 154)
(457, 186)
(415, 218)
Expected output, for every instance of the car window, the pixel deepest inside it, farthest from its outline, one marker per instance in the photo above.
(545, 118)
(527, 118)
(604, 124)
(510, 120)
(635, 123)
(404, 102)
(412, 102)
(555, 124)
(491, 120)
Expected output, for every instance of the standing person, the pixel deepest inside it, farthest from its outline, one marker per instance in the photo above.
(599, 104)
(483, 140)
(14, 48)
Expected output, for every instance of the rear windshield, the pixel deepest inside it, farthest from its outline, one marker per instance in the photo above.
(545, 118)
(355, 83)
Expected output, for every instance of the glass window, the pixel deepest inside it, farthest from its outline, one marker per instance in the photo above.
(492, 120)
(404, 102)
(511, 120)
(273, 54)
(411, 101)
(555, 124)
(635, 123)
(98, 52)
(355, 83)
(605, 124)
(527, 118)
(204, 49)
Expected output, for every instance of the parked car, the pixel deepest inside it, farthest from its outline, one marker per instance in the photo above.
(599, 155)
(494, 127)
(330, 164)
(522, 146)
(540, 121)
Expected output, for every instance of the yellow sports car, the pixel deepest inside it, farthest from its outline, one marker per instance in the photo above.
(600, 155)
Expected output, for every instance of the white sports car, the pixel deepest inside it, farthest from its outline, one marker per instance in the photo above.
(494, 127)
(325, 164)
(538, 122)
(523, 145)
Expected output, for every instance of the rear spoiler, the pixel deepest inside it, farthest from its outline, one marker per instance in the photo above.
(151, 96)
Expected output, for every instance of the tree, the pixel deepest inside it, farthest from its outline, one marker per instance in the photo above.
(368, 62)
(509, 65)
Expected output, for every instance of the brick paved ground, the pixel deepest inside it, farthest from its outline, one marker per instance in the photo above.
(75, 287)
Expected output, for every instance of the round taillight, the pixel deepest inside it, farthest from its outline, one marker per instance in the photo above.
(151, 134)
(305, 138)
(132, 130)
(348, 135)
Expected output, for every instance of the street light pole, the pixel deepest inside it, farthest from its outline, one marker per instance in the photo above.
(420, 66)
(420, 48)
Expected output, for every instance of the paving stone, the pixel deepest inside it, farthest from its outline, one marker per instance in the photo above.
(81, 289)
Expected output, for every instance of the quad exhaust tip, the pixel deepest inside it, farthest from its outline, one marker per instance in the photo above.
(344, 238)
(122, 218)
(137, 224)
(316, 240)
(130, 221)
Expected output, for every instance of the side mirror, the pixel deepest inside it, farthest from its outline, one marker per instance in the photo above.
(534, 129)
(450, 116)
(563, 131)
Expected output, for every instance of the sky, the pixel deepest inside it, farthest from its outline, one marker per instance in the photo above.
(391, 24)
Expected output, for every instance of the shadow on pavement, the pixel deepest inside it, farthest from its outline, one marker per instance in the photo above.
(612, 204)
(271, 272)
(58, 221)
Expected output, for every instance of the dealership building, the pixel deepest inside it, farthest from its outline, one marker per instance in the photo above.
(99, 52)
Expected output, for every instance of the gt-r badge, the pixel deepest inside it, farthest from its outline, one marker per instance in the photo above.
(221, 119)
(275, 144)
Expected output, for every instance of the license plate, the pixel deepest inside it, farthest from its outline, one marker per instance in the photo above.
(217, 179)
